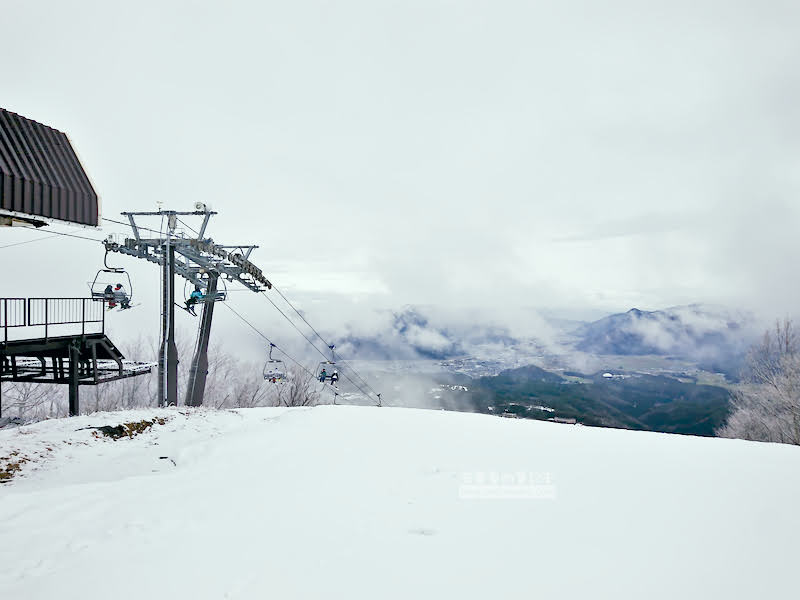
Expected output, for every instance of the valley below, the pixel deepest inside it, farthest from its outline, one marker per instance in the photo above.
(670, 371)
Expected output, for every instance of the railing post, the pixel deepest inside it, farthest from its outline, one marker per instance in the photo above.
(83, 316)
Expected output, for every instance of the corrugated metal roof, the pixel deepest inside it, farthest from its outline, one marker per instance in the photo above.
(40, 174)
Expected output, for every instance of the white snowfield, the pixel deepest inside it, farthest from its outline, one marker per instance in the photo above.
(356, 502)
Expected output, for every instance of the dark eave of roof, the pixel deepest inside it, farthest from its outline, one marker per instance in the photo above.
(40, 174)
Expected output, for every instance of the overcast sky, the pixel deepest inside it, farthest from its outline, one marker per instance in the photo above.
(572, 155)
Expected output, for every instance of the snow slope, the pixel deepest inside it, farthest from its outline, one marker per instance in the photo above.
(359, 502)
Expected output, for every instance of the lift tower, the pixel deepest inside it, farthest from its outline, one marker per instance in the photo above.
(202, 263)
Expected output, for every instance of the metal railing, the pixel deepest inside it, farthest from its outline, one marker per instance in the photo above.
(12, 314)
(46, 312)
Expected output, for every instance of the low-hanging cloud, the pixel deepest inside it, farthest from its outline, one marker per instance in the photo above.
(565, 155)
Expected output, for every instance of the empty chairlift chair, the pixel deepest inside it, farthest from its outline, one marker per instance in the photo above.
(274, 370)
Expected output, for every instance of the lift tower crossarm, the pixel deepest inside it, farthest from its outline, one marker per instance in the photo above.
(163, 213)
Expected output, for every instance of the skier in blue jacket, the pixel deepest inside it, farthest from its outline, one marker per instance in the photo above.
(195, 297)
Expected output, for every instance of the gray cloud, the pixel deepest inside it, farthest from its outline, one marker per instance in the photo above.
(471, 154)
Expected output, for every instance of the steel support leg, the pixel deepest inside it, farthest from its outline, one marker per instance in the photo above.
(74, 363)
(199, 369)
(168, 355)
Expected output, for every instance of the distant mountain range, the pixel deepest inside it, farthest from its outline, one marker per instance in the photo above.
(714, 337)
(687, 330)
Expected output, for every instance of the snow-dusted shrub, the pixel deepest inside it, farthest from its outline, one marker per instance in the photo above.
(766, 407)
(299, 389)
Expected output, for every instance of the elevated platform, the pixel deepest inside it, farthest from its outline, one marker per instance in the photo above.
(48, 360)
(53, 347)
(74, 360)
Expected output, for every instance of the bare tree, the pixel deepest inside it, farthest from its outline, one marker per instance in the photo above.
(231, 383)
(299, 389)
(251, 390)
(766, 407)
(33, 401)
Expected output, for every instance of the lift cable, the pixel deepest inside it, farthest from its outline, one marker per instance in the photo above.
(259, 332)
(128, 225)
(324, 341)
(287, 355)
(293, 324)
(192, 229)
(72, 235)
(52, 235)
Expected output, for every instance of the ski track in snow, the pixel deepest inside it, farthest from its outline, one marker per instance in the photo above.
(359, 502)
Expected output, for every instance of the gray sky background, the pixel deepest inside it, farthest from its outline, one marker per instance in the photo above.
(573, 155)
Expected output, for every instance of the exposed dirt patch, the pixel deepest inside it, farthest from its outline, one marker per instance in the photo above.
(127, 430)
(10, 465)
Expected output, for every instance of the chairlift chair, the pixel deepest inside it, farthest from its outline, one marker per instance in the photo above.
(112, 277)
(219, 296)
(327, 367)
(274, 370)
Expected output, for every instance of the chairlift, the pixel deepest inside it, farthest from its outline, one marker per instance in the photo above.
(218, 296)
(274, 370)
(327, 368)
(109, 286)
(197, 296)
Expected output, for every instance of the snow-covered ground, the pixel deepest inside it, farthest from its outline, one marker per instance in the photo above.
(357, 502)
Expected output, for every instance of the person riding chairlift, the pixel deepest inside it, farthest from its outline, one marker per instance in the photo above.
(334, 377)
(119, 295)
(323, 375)
(195, 297)
(108, 295)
